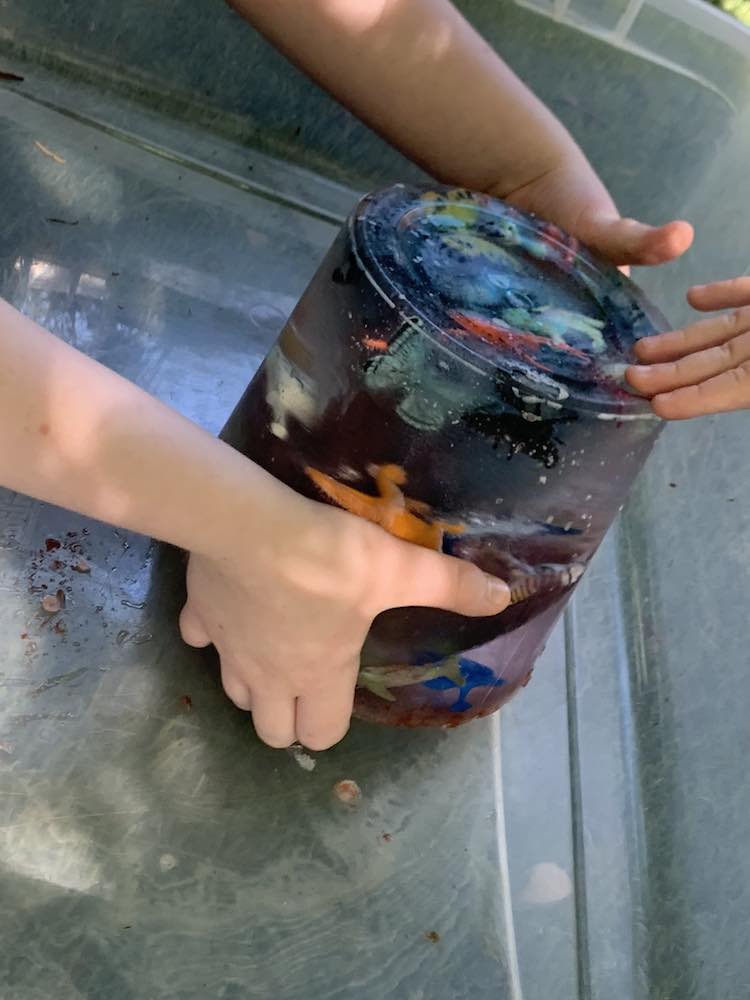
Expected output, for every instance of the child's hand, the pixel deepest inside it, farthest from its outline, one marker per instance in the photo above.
(288, 610)
(572, 196)
(703, 368)
(286, 588)
(417, 72)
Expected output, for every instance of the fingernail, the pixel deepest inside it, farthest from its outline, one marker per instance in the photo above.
(497, 590)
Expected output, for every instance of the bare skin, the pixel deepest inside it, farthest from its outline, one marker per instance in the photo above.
(418, 73)
(705, 367)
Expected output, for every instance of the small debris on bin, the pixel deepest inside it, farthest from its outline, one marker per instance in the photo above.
(347, 791)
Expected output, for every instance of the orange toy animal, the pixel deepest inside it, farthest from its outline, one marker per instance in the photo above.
(523, 345)
(394, 512)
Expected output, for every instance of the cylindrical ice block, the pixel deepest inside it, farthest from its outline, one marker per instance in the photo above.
(454, 373)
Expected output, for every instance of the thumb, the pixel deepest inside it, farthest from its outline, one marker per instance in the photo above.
(427, 579)
(626, 241)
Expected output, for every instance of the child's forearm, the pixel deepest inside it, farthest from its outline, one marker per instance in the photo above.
(416, 71)
(75, 434)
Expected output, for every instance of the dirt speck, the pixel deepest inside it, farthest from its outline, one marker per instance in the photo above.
(186, 702)
(52, 544)
(81, 566)
(347, 791)
(386, 838)
(432, 936)
(51, 604)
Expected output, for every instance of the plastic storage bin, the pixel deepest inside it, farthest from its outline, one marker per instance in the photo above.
(454, 373)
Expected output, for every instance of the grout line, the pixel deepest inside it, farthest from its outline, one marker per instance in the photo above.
(516, 991)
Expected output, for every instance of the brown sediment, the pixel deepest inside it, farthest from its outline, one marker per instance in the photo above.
(347, 791)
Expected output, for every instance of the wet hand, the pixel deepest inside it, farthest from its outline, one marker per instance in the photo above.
(702, 368)
(572, 196)
(288, 607)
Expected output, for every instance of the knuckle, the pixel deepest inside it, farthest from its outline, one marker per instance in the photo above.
(377, 565)
(726, 352)
(679, 339)
(732, 321)
(736, 350)
(741, 375)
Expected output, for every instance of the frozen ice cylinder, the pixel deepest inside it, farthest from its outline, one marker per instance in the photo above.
(454, 373)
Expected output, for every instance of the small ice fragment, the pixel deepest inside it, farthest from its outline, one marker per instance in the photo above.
(547, 884)
(302, 758)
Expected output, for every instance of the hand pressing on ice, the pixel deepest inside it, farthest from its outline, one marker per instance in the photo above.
(289, 603)
(571, 195)
(284, 587)
(704, 367)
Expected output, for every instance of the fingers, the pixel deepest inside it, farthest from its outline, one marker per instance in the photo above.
(707, 333)
(693, 369)
(725, 392)
(324, 714)
(625, 241)
(422, 578)
(191, 630)
(702, 368)
(274, 713)
(236, 688)
(721, 295)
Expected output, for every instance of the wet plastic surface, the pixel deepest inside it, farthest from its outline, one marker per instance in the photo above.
(594, 843)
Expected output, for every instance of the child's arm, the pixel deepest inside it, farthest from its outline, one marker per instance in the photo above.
(417, 72)
(702, 368)
(285, 588)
